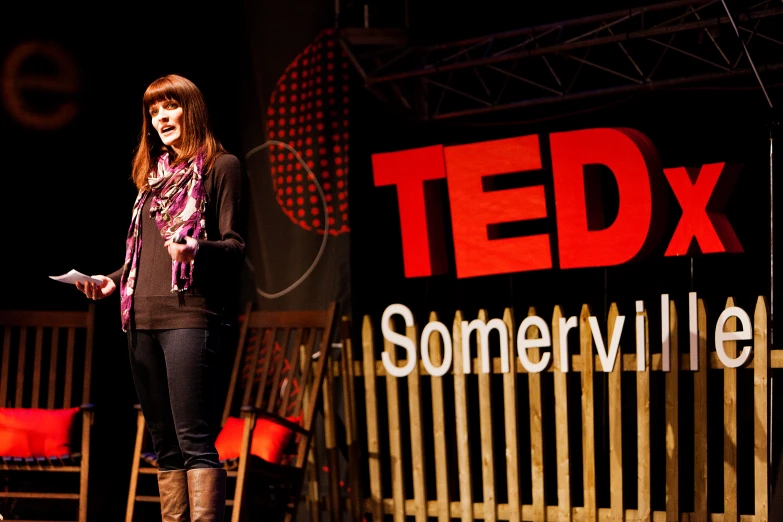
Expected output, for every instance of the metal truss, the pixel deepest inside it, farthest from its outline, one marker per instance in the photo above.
(643, 48)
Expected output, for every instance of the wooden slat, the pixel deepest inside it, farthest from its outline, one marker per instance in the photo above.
(775, 358)
(4, 366)
(346, 371)
(35, 399)
(84, 476)
(643, 476)
(285, 400)
(417, 435)
(536, 427)
(510, 417)
(238, 358)
(604, 514)
(306, 367)
(265, 356)
(395, 441)
(439, 429)
(251, 366)
(324, 349)
(313, 372)
(54, 496)
(561, 424)
(588, 416)
(88, 344)
(134, 479)
(20, 366)
(53, 352)
(371, 414)
(267, 394)
(672, 393)
(461, 414)
(46, 318)
(700, 402)
(730, 501)
(69, 360)
(310, 463)
(354, 489)
(313, 490)
(304, 405)
(330, 445)
(615, 425)
(760, 407)
(349, 373)
(487, 448)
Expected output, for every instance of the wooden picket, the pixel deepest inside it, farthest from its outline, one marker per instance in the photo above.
(510, 424)
(479, 480)
(564, 511)
(590, 510)
(761, 404)
(700, 483)
(615, 427)
(439, 433)
(643, 479)
(730, 429)
(672, 436)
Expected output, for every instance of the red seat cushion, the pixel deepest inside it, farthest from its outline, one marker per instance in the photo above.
(36, 432)
(270, 439)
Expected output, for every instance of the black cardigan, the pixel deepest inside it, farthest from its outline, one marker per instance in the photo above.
(216, 267)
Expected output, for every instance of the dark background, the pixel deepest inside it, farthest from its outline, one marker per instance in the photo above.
(66, 196)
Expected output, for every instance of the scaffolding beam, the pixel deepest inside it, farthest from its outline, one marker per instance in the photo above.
(675, 43)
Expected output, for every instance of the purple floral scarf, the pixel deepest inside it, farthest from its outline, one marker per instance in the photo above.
(178, 201)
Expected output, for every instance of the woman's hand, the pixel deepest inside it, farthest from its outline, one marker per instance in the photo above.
(182, 252)
(97, 291)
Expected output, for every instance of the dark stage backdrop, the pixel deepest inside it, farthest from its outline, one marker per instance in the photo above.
(296, 139)
(296, 136)
(70, 110)
(688, 127)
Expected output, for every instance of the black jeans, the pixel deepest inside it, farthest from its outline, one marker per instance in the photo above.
(175, 373)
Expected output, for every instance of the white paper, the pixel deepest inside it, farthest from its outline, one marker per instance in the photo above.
(74, 277)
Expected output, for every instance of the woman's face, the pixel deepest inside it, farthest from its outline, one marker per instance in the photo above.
(166, 119)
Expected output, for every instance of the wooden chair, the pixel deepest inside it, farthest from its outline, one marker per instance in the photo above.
(279, 368)
(45, 375)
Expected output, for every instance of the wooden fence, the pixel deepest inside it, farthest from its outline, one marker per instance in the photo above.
(631, 444)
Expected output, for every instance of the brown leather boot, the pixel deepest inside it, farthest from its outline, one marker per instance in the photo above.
(207, 490)
(173, 486)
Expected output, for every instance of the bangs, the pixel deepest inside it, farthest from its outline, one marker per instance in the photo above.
(160, 91)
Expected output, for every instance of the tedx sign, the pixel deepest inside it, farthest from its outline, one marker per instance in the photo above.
(475, 207)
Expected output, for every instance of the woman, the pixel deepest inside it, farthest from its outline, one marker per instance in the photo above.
(183, 254)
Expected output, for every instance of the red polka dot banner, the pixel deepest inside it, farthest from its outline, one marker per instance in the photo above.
(308, 111)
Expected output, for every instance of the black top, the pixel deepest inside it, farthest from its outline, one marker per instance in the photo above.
(216, 267)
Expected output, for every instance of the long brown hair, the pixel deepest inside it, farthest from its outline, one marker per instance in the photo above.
(196, 132)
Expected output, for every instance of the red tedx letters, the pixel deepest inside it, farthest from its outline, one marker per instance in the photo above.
(628, 154)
